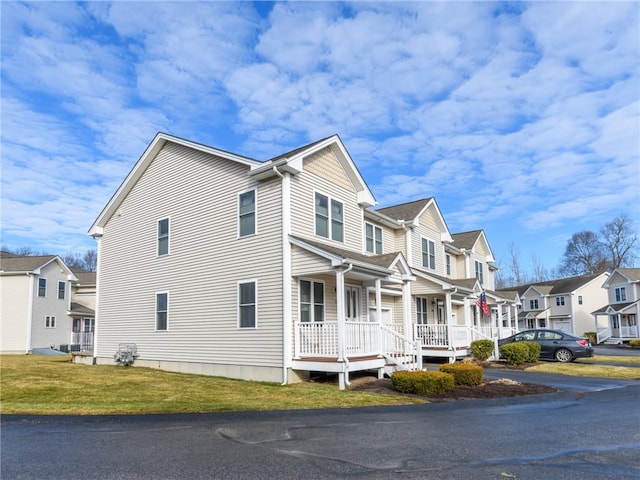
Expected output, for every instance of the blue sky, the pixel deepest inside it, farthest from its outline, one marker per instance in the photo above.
(520, 118)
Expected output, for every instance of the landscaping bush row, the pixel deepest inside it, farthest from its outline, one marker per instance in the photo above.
(437, 383)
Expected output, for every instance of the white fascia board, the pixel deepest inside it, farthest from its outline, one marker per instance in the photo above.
(381, 218)
(335, 259)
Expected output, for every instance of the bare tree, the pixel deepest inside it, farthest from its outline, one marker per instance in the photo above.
(583, 255)
(91, 260)
(620, 241)
(540, 273)
(518, 274)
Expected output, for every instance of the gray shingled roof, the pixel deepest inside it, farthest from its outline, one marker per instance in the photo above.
(465, 240)
(556, 287)
(85, 277)
(16, 263)
(298, 150)
(383, 261)
(81, 309)
(405, 211)
(631, 273)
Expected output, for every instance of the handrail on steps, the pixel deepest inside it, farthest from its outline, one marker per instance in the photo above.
(408, 348)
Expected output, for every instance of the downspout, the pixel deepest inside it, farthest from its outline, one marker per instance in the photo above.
(286, 275)
(27, 347)
(96, 326)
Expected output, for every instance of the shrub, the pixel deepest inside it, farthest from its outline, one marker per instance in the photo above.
(423, 382)
(592, 336)
(515, 353)
(482, 349)
(533, 349)
(634, 343)
(464, 373)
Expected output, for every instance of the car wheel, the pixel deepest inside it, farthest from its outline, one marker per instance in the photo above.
(563, 355)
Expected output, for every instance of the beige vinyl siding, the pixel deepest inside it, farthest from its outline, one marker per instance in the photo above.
(307, 263)
(199, 193)
(593, 298)
(14, 296)
(325, 165)
(400, 242)
(303, 189)
(51, 305)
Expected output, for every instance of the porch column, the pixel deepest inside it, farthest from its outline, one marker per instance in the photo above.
(378, 301)
(340, 313)
(509, 321)
(452, 347)
(406, 310)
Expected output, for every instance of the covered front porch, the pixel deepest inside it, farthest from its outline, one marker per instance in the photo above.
(350, 311)
(617, 323)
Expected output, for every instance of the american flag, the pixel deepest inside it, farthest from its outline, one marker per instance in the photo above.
(482, 303)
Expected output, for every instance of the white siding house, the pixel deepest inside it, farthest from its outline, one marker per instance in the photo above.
(35, 298)
(617, 321)
(271, 270)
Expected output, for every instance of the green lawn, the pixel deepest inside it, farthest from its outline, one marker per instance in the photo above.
(38, 384)
(610, 359)
(586, 370)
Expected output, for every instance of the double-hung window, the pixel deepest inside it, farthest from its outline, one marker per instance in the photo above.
(447, 264)
(480, 272)
(421, 310)
(621, 294)
(373, 238)
(428, 254)
(162, 311)
(62, 286)
(329, 217)
(311, 301)
(42, 287)
(559, 301)
(533, 304)
(49, 322)
(247, 213)
(163, 236)
(247, 304)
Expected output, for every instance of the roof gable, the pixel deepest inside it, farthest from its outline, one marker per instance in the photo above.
(154, 148)
(624, 275)
(413, 212)
(474, 240)
(19, 264)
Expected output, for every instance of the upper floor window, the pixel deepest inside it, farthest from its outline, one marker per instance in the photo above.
(42, 287)
(311, 301)
(162, 311)
(428, 254)
(49, 322)
(329, 218)
(621, 294)
(247, 213)
(480, 272)
(62, 286)
(421, 310)
(163, 236)
(533, 304)
(247, 304)
(559, 301)
(579, 299)
(373, 238)
(447, 264)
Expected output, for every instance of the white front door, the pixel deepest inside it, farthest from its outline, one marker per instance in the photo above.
(352, 303)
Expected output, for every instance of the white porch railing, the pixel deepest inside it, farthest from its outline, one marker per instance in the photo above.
(83, 339)
(432, 335)
(402, 351)
(316, 339)
(629, 332)
(602, 334)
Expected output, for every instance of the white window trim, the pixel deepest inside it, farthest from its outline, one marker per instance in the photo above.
(424, 300)
(374, 227)
(46, 287)
(255, 319)
(447, 264)
(255, 212)
(560, 301)
(158, 237)
(312, 311)
(330, 218)
(429, 242)
(51, 320)
(155, 311)
(480, 270)
(64, 291)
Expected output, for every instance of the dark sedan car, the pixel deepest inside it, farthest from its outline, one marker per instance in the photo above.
(554, 344)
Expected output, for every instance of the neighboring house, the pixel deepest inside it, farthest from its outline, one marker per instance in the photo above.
(563, 304)
(617, 321)
(82, 310)
(272, 270)
(35, 301)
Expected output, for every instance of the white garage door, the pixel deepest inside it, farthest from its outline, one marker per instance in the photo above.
(563, 325)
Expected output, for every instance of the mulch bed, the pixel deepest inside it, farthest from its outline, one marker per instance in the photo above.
(495, 389)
